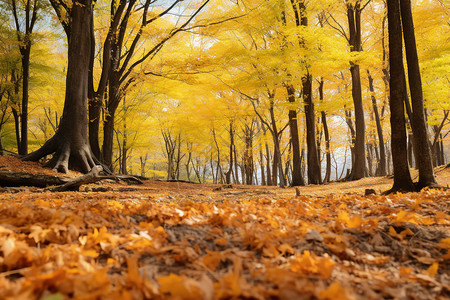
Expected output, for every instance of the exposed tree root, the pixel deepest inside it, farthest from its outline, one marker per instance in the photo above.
(91, 177)
(67, 153)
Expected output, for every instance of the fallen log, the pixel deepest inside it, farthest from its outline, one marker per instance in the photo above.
(59, 184)
(14, 179)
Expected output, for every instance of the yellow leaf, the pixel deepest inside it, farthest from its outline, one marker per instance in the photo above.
(401, 235)
(90, 253)
(310, 263)
(432, 270)
(351, 222)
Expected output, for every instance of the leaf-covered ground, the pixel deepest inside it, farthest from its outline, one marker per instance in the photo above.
(188, 241)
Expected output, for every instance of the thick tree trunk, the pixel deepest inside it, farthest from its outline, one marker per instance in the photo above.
(402, 176)
(70, 142)
(297, 178)
(354, 22)
(418, 123)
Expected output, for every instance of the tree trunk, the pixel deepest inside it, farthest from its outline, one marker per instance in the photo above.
(143, 161)
(381, 170)
(354, 22)
(314, 176)
(327, 136)
(124, 151)
(418, 123)
(17, 126)
(108, 138)
(297, 178)
(95, 106)
(442, 156)
(268, 171)
(277, 170)
(24, 38)
(230, 170)
(236, 172)
(70, 142)
(402, 176)
(248, 154)
(261, 165)
(25, 51)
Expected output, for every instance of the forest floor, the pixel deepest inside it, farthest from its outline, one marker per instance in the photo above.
(164, 240)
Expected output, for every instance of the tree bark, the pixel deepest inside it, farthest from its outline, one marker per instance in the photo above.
(314, 176)
(327, 136)
(354, 22)
(70, 143)
(248, 153)
(25, 52)
(277, 170)
(418, 123)
(297, 178)
(402, 176)
(381, 169)
(24, 39)
(230, 170)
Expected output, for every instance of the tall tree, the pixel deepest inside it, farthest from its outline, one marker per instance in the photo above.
(314, 176)
(418, 122)
(381, 169)
(354, 24)
(120, 59)
(397, 82)
(24, 19)
(297, 178)
(70, 143)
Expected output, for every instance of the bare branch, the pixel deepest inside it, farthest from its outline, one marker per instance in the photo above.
(339, 29)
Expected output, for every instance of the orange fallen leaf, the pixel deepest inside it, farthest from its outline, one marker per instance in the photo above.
(212, 259)
(221, 242)
(310, 263)
(350, 222)
(336, 292)
(432, 270)
(405, 272)
(180, 287)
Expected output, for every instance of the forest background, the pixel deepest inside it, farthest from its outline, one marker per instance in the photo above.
(209, 90)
